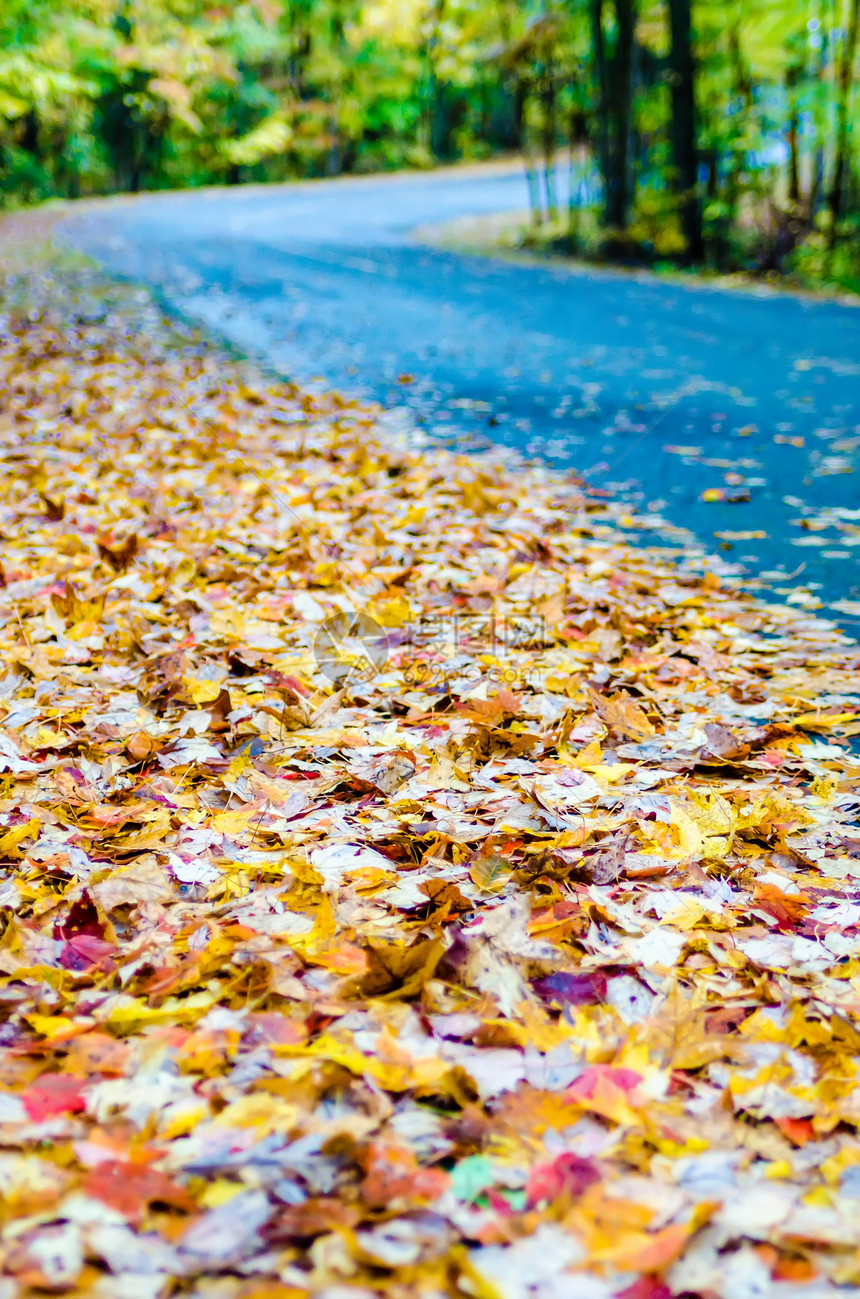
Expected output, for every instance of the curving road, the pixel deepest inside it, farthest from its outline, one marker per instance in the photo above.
(662, 391)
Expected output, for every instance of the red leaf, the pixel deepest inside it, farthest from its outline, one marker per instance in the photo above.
(568, 1173)
(52, 1094)
(788, 910)
(499, 1204)
(282, 682)
(83, 918)
(84, 951)
(131, 1188)
(270, 1026)
(393, 1173)
(798, 1131)
(647, 1287)
(626, 1080)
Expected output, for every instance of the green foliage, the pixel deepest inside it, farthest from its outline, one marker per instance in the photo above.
(100, 95)
(818, 261)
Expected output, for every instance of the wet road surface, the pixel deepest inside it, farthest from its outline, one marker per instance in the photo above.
(734, 413)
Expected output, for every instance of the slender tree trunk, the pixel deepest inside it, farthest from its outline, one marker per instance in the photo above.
(615, 82)
(618, 204)
(435, 106)
(523, 144)
(30, 134)
(845, 85)
(684, 151)
(713, 181)
(816, 179)
(792, 77)
(519, 111)
(793, 160)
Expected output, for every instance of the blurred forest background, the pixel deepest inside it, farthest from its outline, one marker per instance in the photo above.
(698, 131)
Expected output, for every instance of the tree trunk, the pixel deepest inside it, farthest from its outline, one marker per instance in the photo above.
(614, 77)
(30, 133)
(793, 76)
(684, 151)
(434, 104)
(621, 88)
(519, 111)
(845, 85)
(793, 160)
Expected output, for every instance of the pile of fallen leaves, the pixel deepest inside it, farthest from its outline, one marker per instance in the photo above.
(409, 886)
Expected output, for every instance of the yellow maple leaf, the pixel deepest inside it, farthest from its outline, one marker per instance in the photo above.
(261, 1111)
(200, 691)
(235, 820)
(10, 841)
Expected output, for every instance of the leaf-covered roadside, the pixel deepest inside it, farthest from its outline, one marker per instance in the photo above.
(526, 965)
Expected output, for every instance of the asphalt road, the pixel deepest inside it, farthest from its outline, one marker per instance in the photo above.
(659, 390)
